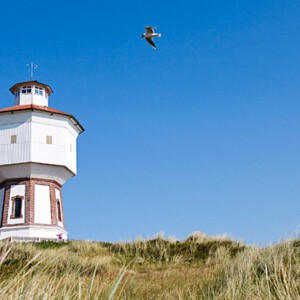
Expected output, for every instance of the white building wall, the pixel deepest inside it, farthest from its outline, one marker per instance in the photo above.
(42, 205)
(34, 231)
(57, 153)
(55, 120)
(16, 190)
(63, 134)
(17, 100)
(39, 100)
(18, 152)
(31, 129)
(1, 203)
(57, 173)
(18, 117)
(25, 99)
(42, 152)
(70, 151)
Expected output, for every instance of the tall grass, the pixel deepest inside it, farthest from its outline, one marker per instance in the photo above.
(199, 267)
(269, 273)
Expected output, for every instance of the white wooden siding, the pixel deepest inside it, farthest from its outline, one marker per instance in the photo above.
(22, 130)
(57, 153)
(55, 120)
(31, 129)
(18, 117)
(26, 99)
(18, 152)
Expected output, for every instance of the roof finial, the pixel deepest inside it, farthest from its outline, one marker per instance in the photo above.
(31, 67)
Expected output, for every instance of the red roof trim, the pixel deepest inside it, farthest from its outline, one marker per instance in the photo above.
(33, 107)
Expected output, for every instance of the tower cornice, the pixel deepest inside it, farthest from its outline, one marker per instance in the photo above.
(45, 109)
(31, 82)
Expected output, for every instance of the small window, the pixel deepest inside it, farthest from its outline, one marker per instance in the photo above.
(38, 90)
(59, 211)
(48, 139)
(13, 139)
(16, 211)
(18, 207)
(26, 90)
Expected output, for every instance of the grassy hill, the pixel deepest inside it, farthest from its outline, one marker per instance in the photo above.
(199, 267)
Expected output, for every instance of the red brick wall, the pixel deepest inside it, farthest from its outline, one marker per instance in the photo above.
(29, 200)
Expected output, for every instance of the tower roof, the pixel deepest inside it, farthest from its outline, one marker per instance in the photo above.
(31, 82)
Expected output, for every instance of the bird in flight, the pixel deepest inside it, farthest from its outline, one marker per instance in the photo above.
(149, 35)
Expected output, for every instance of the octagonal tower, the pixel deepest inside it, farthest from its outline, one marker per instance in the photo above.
(37, 156)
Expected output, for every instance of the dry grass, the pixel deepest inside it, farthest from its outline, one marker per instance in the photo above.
(199, 267)
(270, 273)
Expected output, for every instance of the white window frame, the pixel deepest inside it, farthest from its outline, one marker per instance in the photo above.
(26, 89)
(38, 91)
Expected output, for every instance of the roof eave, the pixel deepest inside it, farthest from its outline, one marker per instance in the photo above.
(71, 117)
(31, 82)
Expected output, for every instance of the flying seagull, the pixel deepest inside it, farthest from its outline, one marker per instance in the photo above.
(150, 34)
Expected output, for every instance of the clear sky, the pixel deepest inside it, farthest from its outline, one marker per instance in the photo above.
(201, 134)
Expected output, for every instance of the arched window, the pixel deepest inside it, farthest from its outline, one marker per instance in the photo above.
(17, 203)
(18, 208)
(59, 211)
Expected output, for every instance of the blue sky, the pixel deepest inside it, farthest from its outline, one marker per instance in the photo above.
(201, 134)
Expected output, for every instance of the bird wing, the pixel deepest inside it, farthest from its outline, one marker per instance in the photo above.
(150, 29)
(150, 41)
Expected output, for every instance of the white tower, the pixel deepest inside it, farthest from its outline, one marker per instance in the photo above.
(37, 156)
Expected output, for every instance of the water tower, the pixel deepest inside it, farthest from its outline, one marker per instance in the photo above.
(37, 156)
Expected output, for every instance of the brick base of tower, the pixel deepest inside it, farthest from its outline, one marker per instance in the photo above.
(31, 208)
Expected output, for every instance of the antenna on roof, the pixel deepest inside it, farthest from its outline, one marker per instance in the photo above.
(31, 67)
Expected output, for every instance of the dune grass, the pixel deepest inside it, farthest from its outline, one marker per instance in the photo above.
(199, 267)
